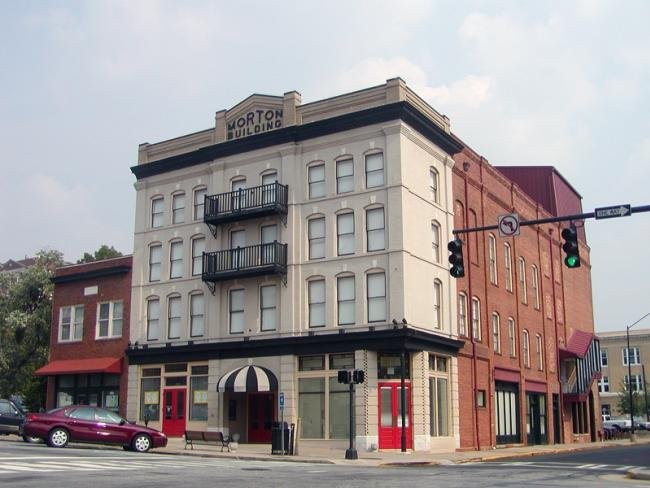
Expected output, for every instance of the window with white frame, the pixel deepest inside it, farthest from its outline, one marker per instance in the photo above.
(197, 322)
(268, 307)
(539, 350)
(376, 297)
(476, 319)
(157, 212)
(344, 176)
(433, 184)
(155, 262)
(345, 294)
(198, 247)
(153, 319)
(462, 314)
(236, 311)
(512, 337)
(637, 382)
(239, 195)
(435, 241)
(604, 360)
(178, 208)
(525, 344)
(603, 384)
(199, 203)
(374, 170)
(439, 396)
(110, 317)
(174, 317)
(269, 189)
(375, 229)
(522, 280)
(631, 355)
(437, 299)
(316, 236)
(535, 285)
(492, 258)
(316, 180)
(496, 333)
(176, 259)
(507, 258)
(345, 233)
(316, 292)
(71, 323)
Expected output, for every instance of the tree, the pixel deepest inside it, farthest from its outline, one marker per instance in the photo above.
(638, 401)
(25, 316)
(104, 252)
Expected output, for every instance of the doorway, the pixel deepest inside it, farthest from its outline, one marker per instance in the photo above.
(536, 418)
(261, 412)
(390, 416)
(173, 424)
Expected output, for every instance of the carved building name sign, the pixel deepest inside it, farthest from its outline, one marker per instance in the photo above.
(254, 122)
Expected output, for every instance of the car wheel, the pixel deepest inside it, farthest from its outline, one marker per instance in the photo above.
(126, 448)
(141, 443)
(32, 440)
(58, 438)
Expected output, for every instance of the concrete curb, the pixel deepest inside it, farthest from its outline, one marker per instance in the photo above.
(638, 474)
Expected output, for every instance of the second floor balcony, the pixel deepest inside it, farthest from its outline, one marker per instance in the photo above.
(242, 262)
(246, 203)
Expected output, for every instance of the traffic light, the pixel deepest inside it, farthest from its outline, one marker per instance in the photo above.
(456, 258)
(358, 376)
(344, 376)
(570, 246)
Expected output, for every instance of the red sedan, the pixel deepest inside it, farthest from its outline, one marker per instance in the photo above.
(81, 423)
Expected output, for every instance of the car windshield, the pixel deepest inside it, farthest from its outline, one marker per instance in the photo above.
(55, 411)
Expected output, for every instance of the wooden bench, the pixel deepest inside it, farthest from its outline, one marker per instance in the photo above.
(206, 437)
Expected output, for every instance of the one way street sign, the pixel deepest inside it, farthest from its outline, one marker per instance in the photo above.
(611, 212)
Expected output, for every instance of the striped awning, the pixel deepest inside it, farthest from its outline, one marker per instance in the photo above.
(248, 379)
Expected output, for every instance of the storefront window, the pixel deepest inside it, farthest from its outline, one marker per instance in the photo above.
(389, 366)
(311, 363)
(199, 398)
(150, 399)
(341, 361)
(339, 409)
(312, 407)
(96, 389)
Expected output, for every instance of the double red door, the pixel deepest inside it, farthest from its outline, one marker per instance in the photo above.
(390, 416)
(261, 412)
(174, 402)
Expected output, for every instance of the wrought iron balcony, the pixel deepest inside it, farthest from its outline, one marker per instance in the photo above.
(242, 262)
(246, 203)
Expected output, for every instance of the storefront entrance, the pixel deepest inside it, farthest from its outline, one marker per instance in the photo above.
(173, 423)
(536, 418)
(390, 416)
(261, 412)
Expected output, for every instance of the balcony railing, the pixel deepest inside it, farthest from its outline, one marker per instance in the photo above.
(241, 262)
(245, 203)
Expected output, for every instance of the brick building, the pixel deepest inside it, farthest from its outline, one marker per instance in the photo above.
(89, 334)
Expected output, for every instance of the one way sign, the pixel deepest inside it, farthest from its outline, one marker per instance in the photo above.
(611, 212)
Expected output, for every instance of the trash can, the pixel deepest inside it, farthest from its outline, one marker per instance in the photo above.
(277, 432)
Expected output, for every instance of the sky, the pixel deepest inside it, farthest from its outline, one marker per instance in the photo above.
(82, 83)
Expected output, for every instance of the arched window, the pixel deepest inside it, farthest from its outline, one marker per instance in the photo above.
(197, 312)
(157, 211)
(437, 300)
(507, 260)
(199, 202)
(496, 333)
(476, 319)
(433, 184)
(462, 314)
(178, 208)
(522, 280)
(492, 258)
(375, 229)
(174, 317)
(153, 319)
(374, 170)
(176, 259)
(525, 345)
(316, 300)
(435, 241)
(345, 299)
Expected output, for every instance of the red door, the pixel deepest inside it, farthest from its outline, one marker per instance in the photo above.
(173, 423)
(261, 412)
(390, 416)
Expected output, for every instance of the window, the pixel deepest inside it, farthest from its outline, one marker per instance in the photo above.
(346, 300)
(492, 257)
(176, 259)
(345, 233)
(496, 333)
(239, 194)
(153, 319)
(316, 303)
(236, 311)
(316, 236)
(317, 181)
(433, 184)
(174, 317)
(109, 319)
(197, 324)
(522, 280)
(439, 400)
(269, 190)
(198, 247)
(178, 208)
(157, 212)
(199, 203)
(155, 262)
(539, 350)
(637, 383)
(199, 393)
(603, 384)
(375, 227)
(376, 297)
(603, 358)
(268, 307)
(344, 176)
(374, 170)
(480, 398)
(437, 311)
(476, 319)
(268, 235)
(525, 344)
(435, 241)
(71, 322)
(535, 285)
(462, 314)
(512, 337)
(631, 354)
(507, 258)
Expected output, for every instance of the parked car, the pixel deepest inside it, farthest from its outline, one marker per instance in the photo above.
(11, 417)
(81, 423)
(622, 425)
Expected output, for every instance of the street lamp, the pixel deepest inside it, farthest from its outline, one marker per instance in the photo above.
(629, 375)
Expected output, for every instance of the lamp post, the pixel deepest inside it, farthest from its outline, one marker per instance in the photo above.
(629, 375)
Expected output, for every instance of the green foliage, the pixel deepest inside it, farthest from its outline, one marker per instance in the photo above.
(25, 315)
(104, 252)
(638, 401)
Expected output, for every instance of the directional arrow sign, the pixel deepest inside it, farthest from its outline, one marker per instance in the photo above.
(611, 212)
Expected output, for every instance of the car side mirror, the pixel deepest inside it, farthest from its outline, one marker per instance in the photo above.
(122, 422)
